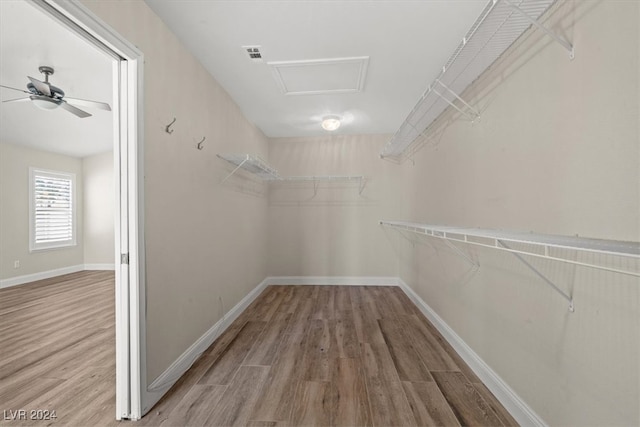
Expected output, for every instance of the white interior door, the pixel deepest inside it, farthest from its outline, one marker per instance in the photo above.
(123, 369)
(129, 229)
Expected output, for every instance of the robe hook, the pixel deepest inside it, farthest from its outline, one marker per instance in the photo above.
(167, 129)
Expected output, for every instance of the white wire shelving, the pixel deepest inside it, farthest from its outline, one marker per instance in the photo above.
(252, 164)
(499, 25)
(258, 167)
(535, 245)
(359, 179)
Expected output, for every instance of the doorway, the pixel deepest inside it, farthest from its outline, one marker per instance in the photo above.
(127, 166)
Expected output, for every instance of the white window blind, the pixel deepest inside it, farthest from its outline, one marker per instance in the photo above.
(52, 209)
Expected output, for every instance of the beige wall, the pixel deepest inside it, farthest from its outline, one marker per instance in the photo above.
(97, 172)
(334, 232)
(556, 151)
(205, 242)
(15, 162)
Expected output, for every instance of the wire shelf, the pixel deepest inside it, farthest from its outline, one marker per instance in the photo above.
(496, 238)
(252, 164)
(535, 245)
(499, 25)
(258, 167)
(324, 178)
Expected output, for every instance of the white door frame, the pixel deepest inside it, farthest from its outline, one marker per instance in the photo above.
(129, 221)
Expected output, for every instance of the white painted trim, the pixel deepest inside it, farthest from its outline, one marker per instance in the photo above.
(513, 403)
(333, 280)
(163, 383)
(44, 246)
(27, 278)
(136, 234)
(103, 267)
(76, 16)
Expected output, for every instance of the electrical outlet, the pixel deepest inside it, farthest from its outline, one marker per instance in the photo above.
(16, 264)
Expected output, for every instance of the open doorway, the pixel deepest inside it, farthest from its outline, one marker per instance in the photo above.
(93, 164)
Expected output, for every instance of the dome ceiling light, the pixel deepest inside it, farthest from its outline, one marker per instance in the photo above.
(330, 123)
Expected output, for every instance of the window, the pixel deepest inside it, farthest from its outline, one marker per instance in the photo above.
(52, 209)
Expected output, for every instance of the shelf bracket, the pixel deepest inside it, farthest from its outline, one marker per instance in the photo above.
(564, 43)
(444, 239)
(474, 113)
(470, 260)
(235, 170)
(540, 275)
(361, 185)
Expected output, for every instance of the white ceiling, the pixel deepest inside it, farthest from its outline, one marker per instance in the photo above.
(29, 39)
(407, 43)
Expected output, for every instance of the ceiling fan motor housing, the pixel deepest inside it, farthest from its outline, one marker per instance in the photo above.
(56, 93)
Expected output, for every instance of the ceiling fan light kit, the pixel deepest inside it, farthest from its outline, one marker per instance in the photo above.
(44, 102)
(48, 97)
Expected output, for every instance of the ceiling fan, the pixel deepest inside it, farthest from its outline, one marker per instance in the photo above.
(48, 97)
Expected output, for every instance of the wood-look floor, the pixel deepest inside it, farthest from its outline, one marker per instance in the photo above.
(57, 350)
(329, 355)
(299, 355)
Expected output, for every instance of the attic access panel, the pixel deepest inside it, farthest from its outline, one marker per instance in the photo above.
(320, 76)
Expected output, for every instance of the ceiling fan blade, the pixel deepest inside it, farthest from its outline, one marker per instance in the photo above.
(87, 103)
(70, 108)
(13, 88)
(42, 87)
(17, 100)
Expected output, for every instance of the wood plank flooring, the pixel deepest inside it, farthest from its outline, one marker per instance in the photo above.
(330, 356)
(298, 356)
(57, 353)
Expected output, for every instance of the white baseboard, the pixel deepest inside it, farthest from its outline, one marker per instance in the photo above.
(103, 267)
(163, 383)
(523, 414)
(27, 278)
(332, 280)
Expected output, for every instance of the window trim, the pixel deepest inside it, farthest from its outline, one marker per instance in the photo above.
(33, 245)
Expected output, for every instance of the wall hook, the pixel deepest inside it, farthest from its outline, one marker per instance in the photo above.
(169, 125)
(200, 147)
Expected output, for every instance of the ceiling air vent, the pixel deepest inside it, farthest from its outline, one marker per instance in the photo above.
(253, 52)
